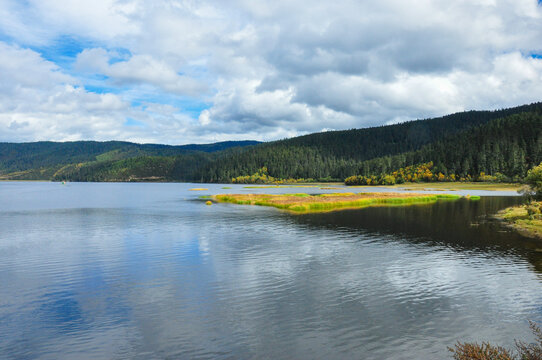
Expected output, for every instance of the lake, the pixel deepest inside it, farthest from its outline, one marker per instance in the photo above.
(148, 271)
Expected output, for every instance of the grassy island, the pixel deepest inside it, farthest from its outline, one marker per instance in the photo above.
(302, 203)
(527, 219)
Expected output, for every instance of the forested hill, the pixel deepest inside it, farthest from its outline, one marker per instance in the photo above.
(44, 154)
(339, 154)
(369, 143)
(508, 146)
(505, 141)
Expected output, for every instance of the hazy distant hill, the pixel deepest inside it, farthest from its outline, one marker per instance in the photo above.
(506, 141)
(24, 156)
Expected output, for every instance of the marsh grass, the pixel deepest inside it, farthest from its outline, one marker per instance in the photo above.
(455, 186)
(303, 203)
(449, 186)
(198, 189)
(527, 219)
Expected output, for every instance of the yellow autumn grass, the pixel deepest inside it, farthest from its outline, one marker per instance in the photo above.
(302, 203)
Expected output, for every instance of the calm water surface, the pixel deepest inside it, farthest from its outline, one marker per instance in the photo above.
(147, 271)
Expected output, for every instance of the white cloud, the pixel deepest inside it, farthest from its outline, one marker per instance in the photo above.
(138, 69)
(23, 68)
(37, 22)
(40, 102)
(267, 69)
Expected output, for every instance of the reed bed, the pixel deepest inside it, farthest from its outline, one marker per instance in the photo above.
(302, 203)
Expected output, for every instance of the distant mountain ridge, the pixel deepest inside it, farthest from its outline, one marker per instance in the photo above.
(507, 141)
(31, 155)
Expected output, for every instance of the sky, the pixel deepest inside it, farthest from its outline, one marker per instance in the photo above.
(178, 72)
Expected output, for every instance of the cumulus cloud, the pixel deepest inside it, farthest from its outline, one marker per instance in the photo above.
(219, 70)
(40, 102)
(36, 22)
(138, 69)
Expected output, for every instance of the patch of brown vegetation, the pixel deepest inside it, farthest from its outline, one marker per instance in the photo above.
(297, 199)
(329, 202)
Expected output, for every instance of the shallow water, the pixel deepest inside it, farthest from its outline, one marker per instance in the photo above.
(148, 271)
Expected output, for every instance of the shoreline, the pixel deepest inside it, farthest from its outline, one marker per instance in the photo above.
(436, 186)
(451, 186)
(518, 219)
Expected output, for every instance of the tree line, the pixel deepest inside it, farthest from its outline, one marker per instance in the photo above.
(503, 144)
(507, 146)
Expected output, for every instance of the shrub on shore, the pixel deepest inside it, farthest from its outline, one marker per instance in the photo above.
(426, 172)
(486, 351)
(534, 182)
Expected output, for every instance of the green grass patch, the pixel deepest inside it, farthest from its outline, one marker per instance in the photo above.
(526, 219)
(447, 196)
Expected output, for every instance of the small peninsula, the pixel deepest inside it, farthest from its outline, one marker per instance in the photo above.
(304, 203)
(526, 219)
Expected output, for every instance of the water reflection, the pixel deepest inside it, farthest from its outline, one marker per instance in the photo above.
(463, 225)
(162, 277)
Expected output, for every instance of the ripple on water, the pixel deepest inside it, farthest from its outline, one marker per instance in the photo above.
(145, 274)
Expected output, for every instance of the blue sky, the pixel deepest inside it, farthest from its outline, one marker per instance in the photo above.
(63, 51)
(174, 71)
